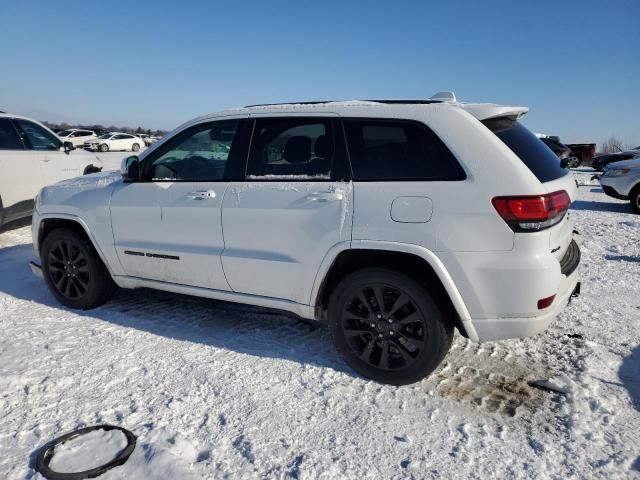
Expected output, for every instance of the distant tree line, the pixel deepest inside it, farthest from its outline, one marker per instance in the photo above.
(101, 128)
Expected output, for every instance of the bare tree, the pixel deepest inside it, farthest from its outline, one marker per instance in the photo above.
(613, 144)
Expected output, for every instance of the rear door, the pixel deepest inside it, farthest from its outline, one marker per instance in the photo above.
(291, 208)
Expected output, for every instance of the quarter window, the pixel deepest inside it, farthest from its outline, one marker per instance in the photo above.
(199, 154)
(9, 139)
(392, 150)
(39, 138)
(292, 148)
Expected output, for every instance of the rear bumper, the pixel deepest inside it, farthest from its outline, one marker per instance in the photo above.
(507, 290)
(502, 328)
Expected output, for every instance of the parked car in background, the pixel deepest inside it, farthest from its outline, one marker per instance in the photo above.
(621, 180)
(581, 154)
(553, 142)
(114, 142)
(148, 139)
(258, 208)
(600, 161)
(77, 136)
(32, 156)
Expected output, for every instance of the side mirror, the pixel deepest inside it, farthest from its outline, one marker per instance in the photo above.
(68, 146)
(130, 169)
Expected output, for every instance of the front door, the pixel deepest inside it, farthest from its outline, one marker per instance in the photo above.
(167, 227)
(292, 207)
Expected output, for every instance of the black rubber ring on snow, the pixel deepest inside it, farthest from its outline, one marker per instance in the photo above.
(47, 452)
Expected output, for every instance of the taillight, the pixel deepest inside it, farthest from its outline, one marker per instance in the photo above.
(532, 213)
(593, 150)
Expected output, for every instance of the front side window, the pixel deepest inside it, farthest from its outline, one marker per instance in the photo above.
(292, 148)
(64, 133)
(39, 138)
(398, 150)
(9, 139)
(199, 154)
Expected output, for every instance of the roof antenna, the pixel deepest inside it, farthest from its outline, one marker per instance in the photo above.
(444, 97)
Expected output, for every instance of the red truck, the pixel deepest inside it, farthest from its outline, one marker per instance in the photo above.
(581, 154)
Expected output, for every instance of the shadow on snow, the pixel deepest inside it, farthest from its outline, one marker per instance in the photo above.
(241, 328)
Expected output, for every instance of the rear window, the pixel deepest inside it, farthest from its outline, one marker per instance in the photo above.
(544, 164)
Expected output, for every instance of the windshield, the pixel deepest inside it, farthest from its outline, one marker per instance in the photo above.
(64, 133)
(104, 136)
(540, 159)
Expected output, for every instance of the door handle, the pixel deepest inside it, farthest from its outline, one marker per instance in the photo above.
(325, 196)
(46, 159)
(202, 194)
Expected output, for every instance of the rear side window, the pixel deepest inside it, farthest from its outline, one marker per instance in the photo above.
(9, 139)
(294, 149)
(544, 164)
(398, 150)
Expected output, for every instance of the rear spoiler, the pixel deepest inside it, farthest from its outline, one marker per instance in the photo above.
(486, 111)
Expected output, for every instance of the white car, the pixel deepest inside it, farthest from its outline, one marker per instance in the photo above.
(76, 136)
(621, 180)
(114, 142)
(32, 156)
(395, 222)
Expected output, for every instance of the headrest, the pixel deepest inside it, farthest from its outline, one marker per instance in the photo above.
(298, 149)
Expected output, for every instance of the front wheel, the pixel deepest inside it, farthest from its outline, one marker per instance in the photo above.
(135, 147)
(104, 147)
(73, 270)
(387, 327)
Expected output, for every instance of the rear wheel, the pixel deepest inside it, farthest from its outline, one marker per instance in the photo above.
(73, 270)
(634, 198)
(387, 327)
(104, 147)
(135, 147)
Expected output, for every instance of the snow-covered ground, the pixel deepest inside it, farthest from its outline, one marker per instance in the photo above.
(216, 390)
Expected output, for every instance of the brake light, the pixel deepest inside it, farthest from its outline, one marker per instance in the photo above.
(532, 213)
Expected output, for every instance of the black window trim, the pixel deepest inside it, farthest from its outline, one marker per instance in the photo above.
(166, 146)
(417, 123)
(340, 149)
(19, 134)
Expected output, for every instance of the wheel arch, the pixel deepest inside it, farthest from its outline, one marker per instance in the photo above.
(413, 260)
(50, 223)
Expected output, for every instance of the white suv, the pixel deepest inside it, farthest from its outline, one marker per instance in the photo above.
(32, 156)
(393, 221)
(76, 136)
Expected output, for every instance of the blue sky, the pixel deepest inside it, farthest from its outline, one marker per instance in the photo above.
(576, 64)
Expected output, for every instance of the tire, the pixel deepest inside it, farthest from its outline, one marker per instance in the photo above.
(634, 198)
(103, 147)
(415, 341)
(135, 147)
(575, 162)
(73, 270)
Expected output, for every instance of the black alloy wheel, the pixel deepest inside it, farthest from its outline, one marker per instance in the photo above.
(387, 327)
(69, 269)
(74, 271)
